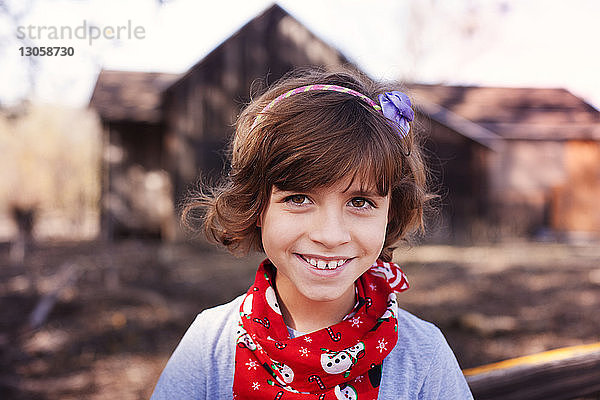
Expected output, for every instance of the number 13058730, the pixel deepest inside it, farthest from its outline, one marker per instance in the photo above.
(55, 51)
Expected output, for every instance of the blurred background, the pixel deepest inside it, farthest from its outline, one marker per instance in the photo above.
(98, 148)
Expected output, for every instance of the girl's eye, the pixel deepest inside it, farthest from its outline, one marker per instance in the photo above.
(359, 202)
(296, 199)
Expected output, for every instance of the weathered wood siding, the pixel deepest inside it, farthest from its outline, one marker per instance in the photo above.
(576, 201)
(522, 179)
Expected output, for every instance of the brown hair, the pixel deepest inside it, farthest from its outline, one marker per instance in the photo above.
(310, 140)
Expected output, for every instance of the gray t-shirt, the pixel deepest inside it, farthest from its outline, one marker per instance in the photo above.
(421, 365)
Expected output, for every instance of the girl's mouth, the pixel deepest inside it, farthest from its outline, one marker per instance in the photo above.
(319, 263)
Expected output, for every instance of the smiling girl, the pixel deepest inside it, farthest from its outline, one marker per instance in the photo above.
(326, 177)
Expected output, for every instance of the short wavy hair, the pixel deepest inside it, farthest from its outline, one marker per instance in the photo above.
(311, 140)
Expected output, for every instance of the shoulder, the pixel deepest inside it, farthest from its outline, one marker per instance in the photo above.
(422, 365)
(202, 363)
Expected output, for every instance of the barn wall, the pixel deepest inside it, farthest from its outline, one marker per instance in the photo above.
(522, 183)
(525, 189)
(575, 205)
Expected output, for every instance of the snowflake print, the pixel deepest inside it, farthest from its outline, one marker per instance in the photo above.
(252, 365)
(256, 386)
(359, 378)
(356, 322)
(373, 286)
(381, 345)
(307, 339)
(304, 351)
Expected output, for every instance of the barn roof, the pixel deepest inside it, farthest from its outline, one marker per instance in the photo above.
(513, 113)
(130, 96)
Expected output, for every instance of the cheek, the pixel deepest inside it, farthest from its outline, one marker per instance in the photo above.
(371, 234)
(278, 231)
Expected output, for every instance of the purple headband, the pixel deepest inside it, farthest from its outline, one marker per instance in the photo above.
(394, 105)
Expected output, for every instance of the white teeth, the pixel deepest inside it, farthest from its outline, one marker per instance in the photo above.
(322, 264)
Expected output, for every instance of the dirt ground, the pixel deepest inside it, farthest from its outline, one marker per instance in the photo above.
(121, 309)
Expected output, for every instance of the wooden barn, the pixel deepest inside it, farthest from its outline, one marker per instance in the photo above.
(513, 161)
(507, 161)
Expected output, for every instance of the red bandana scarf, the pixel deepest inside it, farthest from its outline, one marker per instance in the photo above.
(342, 361)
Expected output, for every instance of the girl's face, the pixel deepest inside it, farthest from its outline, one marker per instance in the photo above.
(322, 240)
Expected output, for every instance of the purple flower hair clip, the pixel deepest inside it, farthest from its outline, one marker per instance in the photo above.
(396, 107)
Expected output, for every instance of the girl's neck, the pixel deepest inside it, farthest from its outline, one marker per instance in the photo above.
(305, 315)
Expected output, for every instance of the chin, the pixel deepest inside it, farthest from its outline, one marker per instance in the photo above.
(325, 295)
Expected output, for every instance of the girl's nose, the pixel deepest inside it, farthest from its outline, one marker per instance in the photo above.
(329, 229)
